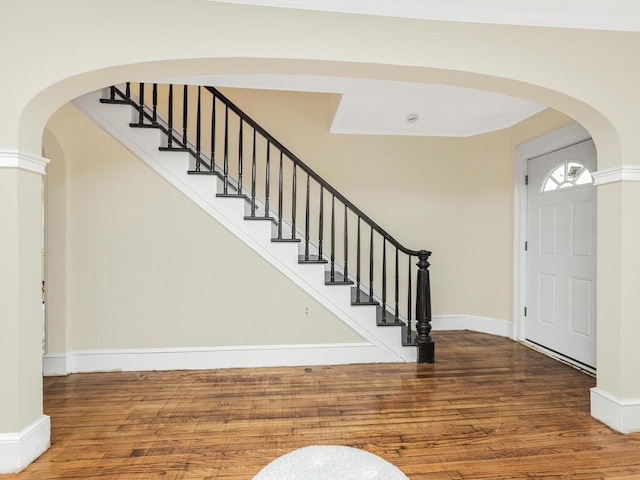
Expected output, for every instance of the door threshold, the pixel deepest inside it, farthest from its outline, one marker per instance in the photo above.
(561, 358)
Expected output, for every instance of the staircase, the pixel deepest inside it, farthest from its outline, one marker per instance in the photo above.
(207, 147)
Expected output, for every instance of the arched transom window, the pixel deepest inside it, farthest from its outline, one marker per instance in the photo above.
(567, 175)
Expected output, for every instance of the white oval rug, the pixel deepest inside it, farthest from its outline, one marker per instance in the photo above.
(330, 462)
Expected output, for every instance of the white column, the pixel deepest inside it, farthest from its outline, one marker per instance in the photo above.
(24, 429)
(616, 398)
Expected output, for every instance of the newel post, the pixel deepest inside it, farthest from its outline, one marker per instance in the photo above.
(426, 346)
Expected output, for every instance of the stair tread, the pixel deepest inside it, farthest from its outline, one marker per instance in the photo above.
(232, 195)
(174, 149)
(115, 101)
(362, 299)
(408, 337)
(285, 240)
(338, 279)
(311, 259)
(259, 217)
(144, 125)
(390, 321)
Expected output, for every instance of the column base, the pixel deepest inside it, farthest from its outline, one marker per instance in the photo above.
(18, 450)
(622, 415)
(427, 352)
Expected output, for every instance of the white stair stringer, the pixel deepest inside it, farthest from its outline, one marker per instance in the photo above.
(384, 342)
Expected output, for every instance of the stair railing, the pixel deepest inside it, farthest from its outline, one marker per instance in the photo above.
(219, 125)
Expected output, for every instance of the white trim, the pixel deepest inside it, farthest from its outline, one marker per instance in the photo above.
(473, 323)
(24, 161)
(55, 364)
(201, 358)
(559, 357)
(552, 141)
(621, 414)
(584, 15)
(17, 450)
(627, 173)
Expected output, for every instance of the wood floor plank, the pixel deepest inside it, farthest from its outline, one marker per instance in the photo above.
(488, 409)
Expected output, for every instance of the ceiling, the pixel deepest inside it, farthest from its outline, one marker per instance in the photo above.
(376, 107)
(373, 107)
(623, 15)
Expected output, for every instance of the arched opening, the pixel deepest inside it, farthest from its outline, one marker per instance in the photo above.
(452, 65)
(476, 308)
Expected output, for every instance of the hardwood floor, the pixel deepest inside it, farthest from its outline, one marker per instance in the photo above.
(488, 409)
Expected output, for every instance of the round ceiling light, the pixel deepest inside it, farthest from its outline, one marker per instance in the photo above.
(412, 118)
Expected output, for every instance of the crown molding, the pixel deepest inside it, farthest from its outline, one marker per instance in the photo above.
(24, 161)
(626, 173)
(615, 15)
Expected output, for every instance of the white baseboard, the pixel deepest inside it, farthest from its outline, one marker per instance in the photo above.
(198, 358)
(55, 365)
(473, 323)
(17, 450)
(621, 414)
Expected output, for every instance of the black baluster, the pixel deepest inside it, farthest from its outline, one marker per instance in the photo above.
(384, 279)
(225, 188)
(253, 176)
(409, 299)
(240, 150)
(333, 238)
(371, 266)
(185, 101)
(321, 226)
(212, 166)
(141, 107)
(266, 180)
(280, 179)
(198, 127)
(306, 223)
(170, 134)
(346, 246)
(294, 196)
(155, 104)
(127, 90)
(358, 262)
(426, 346)
(397, 288)
(112, 93)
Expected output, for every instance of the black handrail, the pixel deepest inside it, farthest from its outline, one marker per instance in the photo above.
(178, 139)
(313, 174)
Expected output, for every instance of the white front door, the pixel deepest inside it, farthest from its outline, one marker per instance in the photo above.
(561, 252)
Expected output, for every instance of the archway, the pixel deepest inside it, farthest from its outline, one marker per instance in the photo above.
(536, 66)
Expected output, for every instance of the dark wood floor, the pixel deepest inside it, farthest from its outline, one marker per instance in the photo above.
(489, 409)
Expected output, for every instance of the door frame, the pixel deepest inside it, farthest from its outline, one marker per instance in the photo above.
(563, 137)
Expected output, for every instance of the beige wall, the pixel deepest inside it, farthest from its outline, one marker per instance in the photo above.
(453, 196)
(20, 298)
(56, 206)
(147, 268)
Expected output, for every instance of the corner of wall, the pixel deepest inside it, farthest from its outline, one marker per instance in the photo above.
(622, 415)
(17, 450)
